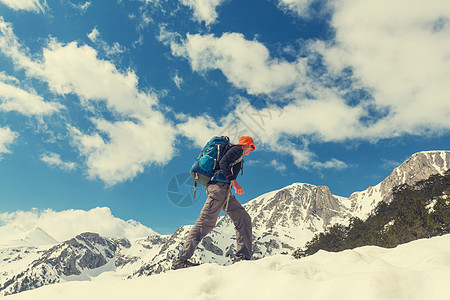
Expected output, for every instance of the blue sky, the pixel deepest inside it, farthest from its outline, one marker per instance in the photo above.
(103, 103)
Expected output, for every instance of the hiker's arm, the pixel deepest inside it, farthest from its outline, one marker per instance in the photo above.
(225, 163)
(237, 188)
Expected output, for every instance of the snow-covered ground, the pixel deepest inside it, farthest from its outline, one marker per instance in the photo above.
(417, 270)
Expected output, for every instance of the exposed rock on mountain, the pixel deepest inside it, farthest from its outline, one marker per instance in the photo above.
(71, 260)
(418, 167)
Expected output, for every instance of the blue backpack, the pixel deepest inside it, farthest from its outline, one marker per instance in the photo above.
(205, 167)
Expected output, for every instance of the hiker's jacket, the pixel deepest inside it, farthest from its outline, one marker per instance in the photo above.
(227, 171)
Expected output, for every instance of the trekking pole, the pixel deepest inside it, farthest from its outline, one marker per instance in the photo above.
(228, 197)
(195, 188)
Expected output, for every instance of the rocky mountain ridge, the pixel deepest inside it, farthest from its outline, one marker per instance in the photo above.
(282, 220)
(418, 167)
(70, 260)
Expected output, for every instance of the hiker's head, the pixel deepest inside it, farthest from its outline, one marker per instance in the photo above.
(247, 144)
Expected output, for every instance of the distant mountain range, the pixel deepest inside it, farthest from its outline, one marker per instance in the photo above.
(283, 220)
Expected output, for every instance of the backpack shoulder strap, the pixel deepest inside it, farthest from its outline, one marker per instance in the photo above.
(240, 159)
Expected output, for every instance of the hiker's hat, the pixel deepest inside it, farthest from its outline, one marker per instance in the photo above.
(246, 140)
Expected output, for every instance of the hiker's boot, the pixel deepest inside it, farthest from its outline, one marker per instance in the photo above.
(239, 258)
(180, 263)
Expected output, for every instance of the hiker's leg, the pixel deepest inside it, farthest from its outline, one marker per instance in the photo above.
(243, 225)
(207, 219)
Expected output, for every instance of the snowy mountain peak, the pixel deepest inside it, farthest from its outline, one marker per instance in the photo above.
(38, 237)
(15, 237)
(426, 161)
(80, 258)
(281, 220)
(419, 166)
(296, 204)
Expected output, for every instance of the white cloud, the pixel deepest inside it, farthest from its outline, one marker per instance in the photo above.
(331, 164)
(93, 36)
(28, 5)
(178, 81)
(76, 69)
(7, 137)
(7, 78)
(54, 159)
(278, 166)
(67, 224)
(303, 157)
(323, 116)
(204, 10)
(246, 64)
(402, 58)
(401, 52)
(252, 162)
(110, 51)
(82, 7)
(273, 128)
(327, 118)
(387, 164)
(199, 129)
(127, 145)
(144, 19)
(300, 7)
(69, 68)
(13, 98)
(131, 146)
(10, 46)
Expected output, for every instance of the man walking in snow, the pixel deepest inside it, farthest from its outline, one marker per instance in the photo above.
(220, 197)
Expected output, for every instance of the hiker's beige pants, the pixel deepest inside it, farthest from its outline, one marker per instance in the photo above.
(216, 202)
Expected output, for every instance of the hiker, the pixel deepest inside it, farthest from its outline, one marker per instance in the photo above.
(220, 198)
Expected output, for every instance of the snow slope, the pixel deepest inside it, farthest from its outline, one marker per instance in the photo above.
(15, 237)
(417, 270)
